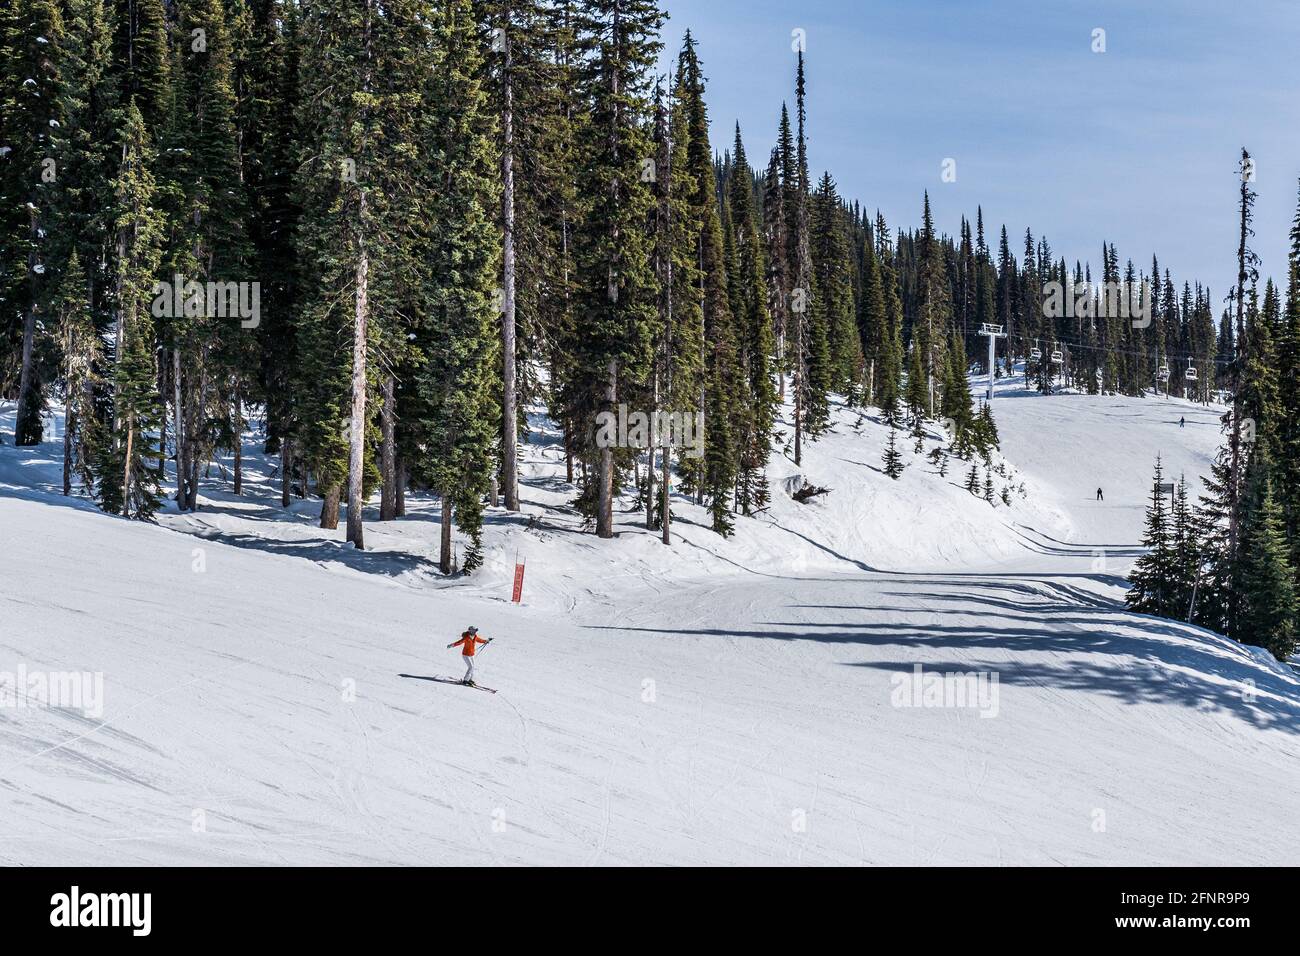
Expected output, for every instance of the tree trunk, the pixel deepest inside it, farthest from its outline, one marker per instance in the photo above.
(361, 316)
(179, 431)
(196, 452)
(357, 435)
(650, 489)
(329, 508)
(509, 412)
(664, 486)
(239, 441)
(126, 472)
(388, 454)
(286, 471)
(400, 506)
(568, 453)
(192, 485)
(798, 393)
(67, 446)
(161, 376)
(444, 549)
(27, 377)
(605, 477)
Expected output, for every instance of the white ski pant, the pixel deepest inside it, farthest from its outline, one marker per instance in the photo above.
(469, 667)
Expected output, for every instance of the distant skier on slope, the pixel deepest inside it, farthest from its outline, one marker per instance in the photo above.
(468, 643)
(1182, 422)
(1099, 495)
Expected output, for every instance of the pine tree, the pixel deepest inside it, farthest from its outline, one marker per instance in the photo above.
(140, 54)
(211, 353)
(811, 356)
(616, 288)
(1288, 437)
(679, 326)
(935, 304)
(833, 277)
(984, 433)
(92, 153)
(722, 444)
(32, 100)
(873, 323)
(1266, 578)
(776, 242)
(1006, 289)
(1186, 552)
(364, 189)
(1216, 600)
(524, 92)
(1153, 578)
(82, 352)
(128, 481)
(916, 386)
(956, 406)
(267, 87)
(1260, 402)
(757, 341)
(893, 459)
(892, 354)
(457, 410)
(1246, 273)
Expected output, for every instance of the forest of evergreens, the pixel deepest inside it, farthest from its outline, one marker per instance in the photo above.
(387, 230)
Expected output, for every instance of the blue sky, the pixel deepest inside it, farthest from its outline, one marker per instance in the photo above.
(1137, 145)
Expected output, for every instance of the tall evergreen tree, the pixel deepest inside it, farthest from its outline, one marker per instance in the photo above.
(1266, 578)
(1154, 576)
(935, 301)
(128, 477)
(458, 404)
(721, 454)
(32, 100)
(833, 278)
(82, 351)
(755, 334)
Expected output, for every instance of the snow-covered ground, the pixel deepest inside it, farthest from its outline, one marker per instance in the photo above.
(265, 691)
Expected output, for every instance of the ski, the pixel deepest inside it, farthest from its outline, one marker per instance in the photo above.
(461, 683)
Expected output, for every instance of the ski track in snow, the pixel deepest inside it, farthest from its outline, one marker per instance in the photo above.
(770, 736)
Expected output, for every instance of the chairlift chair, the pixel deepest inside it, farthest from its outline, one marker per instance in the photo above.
(1190, 374)
(1162, 373)
(1057, 357)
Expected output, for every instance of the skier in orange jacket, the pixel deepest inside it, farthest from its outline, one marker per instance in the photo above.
(468, 643)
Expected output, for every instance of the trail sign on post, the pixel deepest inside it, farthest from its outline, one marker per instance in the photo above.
(518, 592)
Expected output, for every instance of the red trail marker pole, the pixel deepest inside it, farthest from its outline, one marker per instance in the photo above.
(518, 591)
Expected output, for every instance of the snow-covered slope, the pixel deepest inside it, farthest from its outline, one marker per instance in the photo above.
(710, 702)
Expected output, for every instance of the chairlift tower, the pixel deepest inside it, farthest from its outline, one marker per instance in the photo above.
(994, 332)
